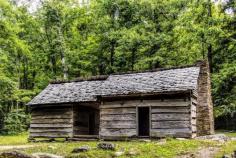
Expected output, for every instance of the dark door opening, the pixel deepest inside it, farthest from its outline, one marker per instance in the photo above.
(143, 121)
(91, 124)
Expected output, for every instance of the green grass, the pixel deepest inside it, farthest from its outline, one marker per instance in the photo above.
(154, 149)
(227, 149)
(14, 140)
(143, 149)
(229, 133)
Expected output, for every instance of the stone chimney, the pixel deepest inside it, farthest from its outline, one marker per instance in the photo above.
(205, 118)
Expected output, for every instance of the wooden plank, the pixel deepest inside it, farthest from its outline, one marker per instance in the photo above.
(194, 128)
(193, 114)
(118, 132)
(144, 103)
(193, 121)
(52, 113)
(118, 124)
(119, 111)
(125, 102)
(171, 117)
(166, 103)
(40, 130)
(123, 117)
(62, 116)
(51, 125)
(170, 124)
(49, 121)
(184, 132)
(170, 110)
(49, 135)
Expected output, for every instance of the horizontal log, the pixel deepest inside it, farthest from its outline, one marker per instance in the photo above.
(170, 117)
(52, 113)
(51, 106)
(120, 103)
(131, 110)
(40, 130)
(49, 121)
(170, 110)
(51, 125)
(122, 117)
(144, 103)
(119, 126)
(111, 122)
(166, 103)
(63, 116)
(118, 138)
(86, 136)
(185, 133)
(170, 124)
(50, 135)
(118, 132)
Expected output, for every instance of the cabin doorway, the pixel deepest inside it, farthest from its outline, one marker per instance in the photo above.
(143, 121)
(86, 121)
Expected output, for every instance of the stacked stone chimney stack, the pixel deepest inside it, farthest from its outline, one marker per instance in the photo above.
(205, 118)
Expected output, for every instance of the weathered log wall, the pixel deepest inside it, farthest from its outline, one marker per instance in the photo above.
(118, 119)
(168, 117)
(52, 122)
(171, 118)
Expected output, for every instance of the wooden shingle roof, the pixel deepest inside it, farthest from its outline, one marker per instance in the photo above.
(177, 79)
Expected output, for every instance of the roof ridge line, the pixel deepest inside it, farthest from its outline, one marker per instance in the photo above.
(104, 77)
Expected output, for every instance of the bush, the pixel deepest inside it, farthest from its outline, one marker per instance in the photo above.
(16, 121)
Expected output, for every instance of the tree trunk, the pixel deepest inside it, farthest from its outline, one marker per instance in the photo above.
(209, 48)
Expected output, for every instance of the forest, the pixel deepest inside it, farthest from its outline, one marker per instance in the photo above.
(63, 40)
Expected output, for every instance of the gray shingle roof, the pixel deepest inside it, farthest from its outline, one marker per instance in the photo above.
(180, 79)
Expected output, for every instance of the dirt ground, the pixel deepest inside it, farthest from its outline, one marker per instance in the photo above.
(14, 147)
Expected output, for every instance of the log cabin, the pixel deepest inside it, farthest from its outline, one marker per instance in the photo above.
(173, 102)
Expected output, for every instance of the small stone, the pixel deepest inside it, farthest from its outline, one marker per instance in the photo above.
(106, 146)
(233, 139)
(145, 140)
(51, 147)
(15, 154)
(216, 137)
(132, 152)
(161, 142)
(226, 156)
(118, 153)
(46, 155)
(181, 139)
(84, 148)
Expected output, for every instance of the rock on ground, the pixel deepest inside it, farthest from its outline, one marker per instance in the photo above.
(81, 149)
(201, 153)
(46, 155)
(16, 147)
(15, 154)
(118, 153)
(106, 146)
(216, 137)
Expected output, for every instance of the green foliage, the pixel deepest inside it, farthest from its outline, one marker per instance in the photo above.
(16, 122)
